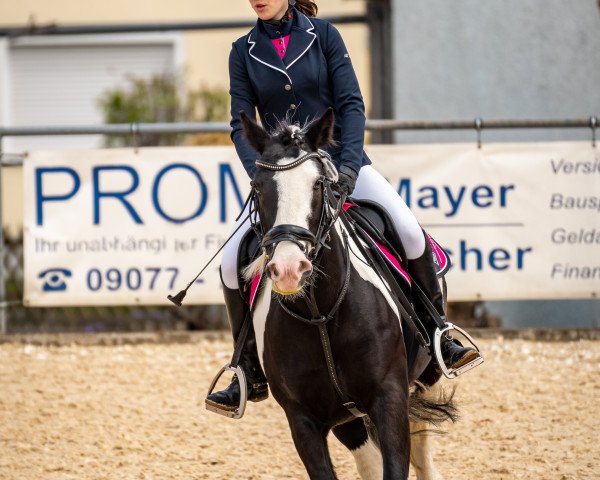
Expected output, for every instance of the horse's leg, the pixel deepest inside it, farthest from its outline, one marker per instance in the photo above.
(421, 454)
(421, 451)
(366, 453)
(389, 413)
(310, 439)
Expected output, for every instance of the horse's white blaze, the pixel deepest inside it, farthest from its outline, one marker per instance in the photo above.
(259, 318)
(369, 462)
(421, 451)
(368, 274)
(294, 192)
(294, 202)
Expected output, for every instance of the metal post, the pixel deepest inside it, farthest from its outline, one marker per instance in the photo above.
(3, 302)
(380, 38)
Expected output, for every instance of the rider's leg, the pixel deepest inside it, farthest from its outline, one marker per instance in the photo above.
(422, 271)
(237, 308)
(371, 185)
(229, 398)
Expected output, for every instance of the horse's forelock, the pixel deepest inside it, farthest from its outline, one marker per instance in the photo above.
(289, 131)
(286, 142)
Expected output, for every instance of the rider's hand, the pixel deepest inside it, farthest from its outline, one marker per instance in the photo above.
(347, 180)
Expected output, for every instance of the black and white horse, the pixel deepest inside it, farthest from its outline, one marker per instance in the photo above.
(371, 361)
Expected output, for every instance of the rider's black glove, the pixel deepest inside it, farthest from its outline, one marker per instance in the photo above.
(347, 180)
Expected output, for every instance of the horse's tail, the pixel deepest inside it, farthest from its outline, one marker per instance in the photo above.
(432, 406)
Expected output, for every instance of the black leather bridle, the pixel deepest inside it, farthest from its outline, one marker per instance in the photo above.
(310, 243)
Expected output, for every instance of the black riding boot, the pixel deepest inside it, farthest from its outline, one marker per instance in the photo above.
(422, 271)
(229, 399)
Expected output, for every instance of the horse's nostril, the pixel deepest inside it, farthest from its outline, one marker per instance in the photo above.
(305, 266)
(273, 272)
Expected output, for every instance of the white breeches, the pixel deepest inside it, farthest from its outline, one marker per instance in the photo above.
(370, 185)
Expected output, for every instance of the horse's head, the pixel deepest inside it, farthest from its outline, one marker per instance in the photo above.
(289, 184)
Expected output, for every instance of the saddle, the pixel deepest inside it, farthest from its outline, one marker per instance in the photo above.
(376, 224)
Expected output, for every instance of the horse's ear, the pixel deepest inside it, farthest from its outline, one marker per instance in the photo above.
(256, 135)
(320, 132)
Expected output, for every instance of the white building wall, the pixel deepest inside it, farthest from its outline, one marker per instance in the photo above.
(58, 80)
(510, 59)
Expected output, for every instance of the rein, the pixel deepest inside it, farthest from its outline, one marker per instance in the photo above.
(404, 305)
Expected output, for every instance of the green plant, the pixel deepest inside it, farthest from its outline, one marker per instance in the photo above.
(160, 98)
(209, 104)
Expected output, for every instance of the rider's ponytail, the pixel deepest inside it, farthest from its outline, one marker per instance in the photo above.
(307, 7)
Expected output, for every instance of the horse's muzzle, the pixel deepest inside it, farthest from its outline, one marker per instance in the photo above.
(288, 270)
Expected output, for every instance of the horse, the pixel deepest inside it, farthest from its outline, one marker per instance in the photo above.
(355, 375)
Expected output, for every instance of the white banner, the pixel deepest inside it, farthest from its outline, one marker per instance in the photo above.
(521, 221)
(115, 227)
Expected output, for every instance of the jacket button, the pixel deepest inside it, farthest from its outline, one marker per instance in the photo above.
(287, 87)
(293, 106)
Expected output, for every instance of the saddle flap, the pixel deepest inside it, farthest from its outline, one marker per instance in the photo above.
(377, 226)
(376, 221)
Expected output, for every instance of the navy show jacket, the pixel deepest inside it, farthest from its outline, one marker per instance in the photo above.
(316, 73)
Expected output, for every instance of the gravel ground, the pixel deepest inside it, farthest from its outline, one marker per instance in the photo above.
(136, 412)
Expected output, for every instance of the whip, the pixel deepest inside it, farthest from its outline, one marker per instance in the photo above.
(178, 299)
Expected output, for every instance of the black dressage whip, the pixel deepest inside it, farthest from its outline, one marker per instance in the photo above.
(178, 299)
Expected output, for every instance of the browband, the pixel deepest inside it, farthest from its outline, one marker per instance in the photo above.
(288, 166)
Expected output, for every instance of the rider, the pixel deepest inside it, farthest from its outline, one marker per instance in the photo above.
(292, 65)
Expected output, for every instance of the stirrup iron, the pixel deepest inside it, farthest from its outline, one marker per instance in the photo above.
(239, 411)
(437, 340)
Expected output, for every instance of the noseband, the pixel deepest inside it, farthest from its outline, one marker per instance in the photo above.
(308, 242)
(292, 233)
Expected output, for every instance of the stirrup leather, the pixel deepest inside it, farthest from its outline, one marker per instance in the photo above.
(238, 412)
(437, 340)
